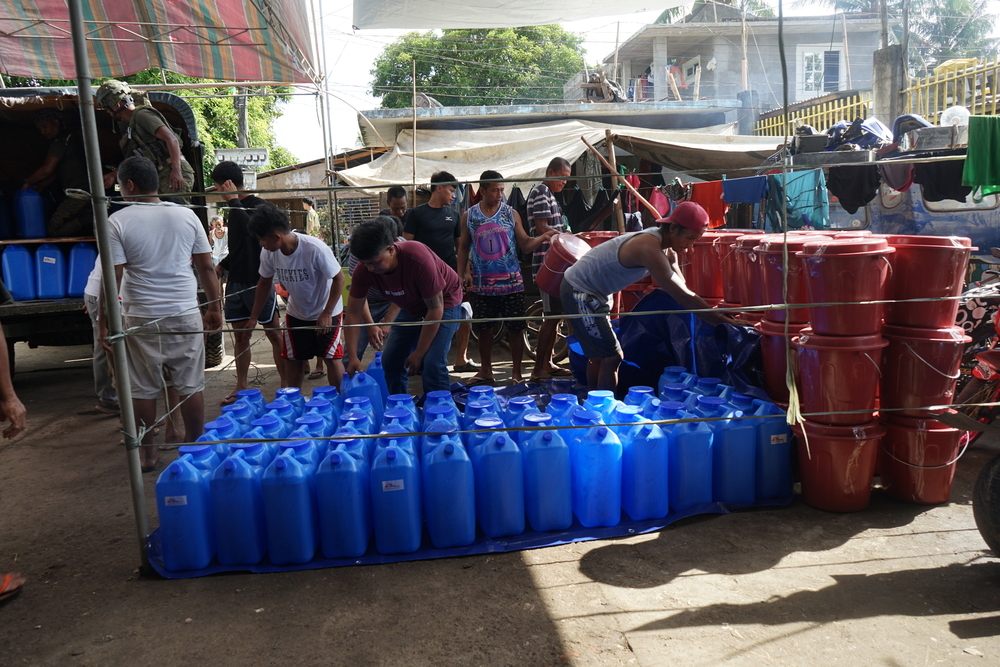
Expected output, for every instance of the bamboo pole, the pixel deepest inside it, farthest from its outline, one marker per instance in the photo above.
(628, 186)
(609, 146)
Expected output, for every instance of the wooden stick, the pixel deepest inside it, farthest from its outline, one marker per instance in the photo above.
(628, 186)
(609, 146)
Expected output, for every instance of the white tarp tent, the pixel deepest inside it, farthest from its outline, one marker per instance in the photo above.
(522, 152)
(428, 14)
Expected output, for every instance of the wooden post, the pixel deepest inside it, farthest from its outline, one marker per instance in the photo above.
(609, 146)
(673, 84)
(697, 82)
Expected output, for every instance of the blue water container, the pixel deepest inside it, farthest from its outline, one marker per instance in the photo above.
(597, 478)
(238, 510)
(346, 382)
(223, 428)
(439, 397)
(445, 412)
(19, 272)
(376, 372)
(486, 427)
(548, 497)
(637, 395)
(82, 257)
(603, 401)
(392, 436)
(690, 468)
(561, 407)
(242, 413)
(255, 399)
(499, 487)
(582, 418)
(316, 427)
(670, 410)
(305, 451)
(449, 496)
(345, 509)
(202, 457)
(774, 454)
(284, 411)
(364, 404)
(517, 407)
(649, 406)
(402, 418)
(6, 222)
(184, 505)
(734, 452)
(258, 454)
(294, 396)
(29, 210)
(331, 394)
(290, 511)
(395, 493)
(367, 386)
(272, 427)
(645, 466)
(404, 401)
(484, 392)
(675, 375)
(627, 416)
(325, 411)
(477, 409)
(362, 449)
(743, 403)
(673, 391)
(359, 421)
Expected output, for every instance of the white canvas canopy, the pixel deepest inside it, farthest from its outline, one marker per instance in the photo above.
(428, 14)
(523, 152)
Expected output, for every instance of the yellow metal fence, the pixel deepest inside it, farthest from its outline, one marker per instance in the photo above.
(973, 85)
(820, 116)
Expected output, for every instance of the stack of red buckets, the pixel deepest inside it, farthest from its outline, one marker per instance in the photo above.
(920, 367)
(711, 268)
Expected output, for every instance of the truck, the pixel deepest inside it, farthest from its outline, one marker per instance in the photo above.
(60, 322)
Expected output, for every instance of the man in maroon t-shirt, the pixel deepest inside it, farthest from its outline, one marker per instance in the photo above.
(411, 276)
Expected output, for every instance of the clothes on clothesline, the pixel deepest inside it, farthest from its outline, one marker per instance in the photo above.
(803, 194)
(982, 166)
(853, 186)
(749, 190)
(942, 180)
(709, 195)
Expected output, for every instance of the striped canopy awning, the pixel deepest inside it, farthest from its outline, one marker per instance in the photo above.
(228, 40)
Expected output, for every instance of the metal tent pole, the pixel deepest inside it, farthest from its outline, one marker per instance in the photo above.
(114, 315)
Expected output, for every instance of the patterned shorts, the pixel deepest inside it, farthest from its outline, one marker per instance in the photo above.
(498, 307)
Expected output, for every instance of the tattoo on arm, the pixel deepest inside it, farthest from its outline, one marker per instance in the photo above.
(436, 301)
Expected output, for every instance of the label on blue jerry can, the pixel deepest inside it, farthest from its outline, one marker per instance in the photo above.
(174, 501)
(779, 439)
(393, 485)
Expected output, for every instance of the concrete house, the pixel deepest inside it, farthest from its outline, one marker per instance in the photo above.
(824, 55)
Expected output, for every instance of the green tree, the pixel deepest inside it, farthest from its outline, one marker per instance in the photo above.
(478, 67)
(944, 29)
(214, 112)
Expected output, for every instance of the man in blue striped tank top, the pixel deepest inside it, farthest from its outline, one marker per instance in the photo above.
(487, 264)
(588, 285)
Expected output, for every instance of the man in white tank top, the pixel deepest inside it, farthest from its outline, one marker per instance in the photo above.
(588, 285)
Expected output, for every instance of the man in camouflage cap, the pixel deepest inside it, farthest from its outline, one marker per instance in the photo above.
(145, 132)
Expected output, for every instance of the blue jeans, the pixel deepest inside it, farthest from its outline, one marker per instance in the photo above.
(378, 312)
(403, 340)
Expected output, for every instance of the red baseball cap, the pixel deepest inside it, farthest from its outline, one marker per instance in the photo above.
(687, 214)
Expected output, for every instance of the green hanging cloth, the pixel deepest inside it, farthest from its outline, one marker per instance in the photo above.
(982, 158)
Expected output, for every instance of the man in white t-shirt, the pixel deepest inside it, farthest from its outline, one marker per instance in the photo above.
(307, 268)
(153, 244)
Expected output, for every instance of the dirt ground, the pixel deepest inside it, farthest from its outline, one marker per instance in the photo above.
(894, 585)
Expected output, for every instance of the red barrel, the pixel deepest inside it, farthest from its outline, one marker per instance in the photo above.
(773, 270)
(926, 267)
(838, 374)
(595, 239)
(722, 246)
(564, 251)
(702, 271)
(920, 367)
(750, 287)
(837, 464)
(846, 271)
(772, 349)
(853, 234)
(917, 459)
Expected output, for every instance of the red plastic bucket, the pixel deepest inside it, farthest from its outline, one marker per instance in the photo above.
(749, 285)
(846, 271)
(564, 251)
(772, 349)
(917, 459)
(773, 269)
(926, 267)
(920, 367)
(837, 465)
(700, 266)
(729, 267)
(595, 239)
(838, 374)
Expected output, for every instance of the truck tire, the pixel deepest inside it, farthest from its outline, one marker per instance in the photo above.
(214, 350)
(986, 504)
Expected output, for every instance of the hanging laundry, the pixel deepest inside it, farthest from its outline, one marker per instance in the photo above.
(677, 191)
(633, 222)
(853, 186)
(631, 203)
(749, 190)
(942, 180)
(517, 202)
(709, 195)
(897, 176)
(576, 209)
(804, 195)
(660, 202)
(475, 196)
(982, 166)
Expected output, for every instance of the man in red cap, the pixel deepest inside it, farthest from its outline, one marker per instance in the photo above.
(588, 285)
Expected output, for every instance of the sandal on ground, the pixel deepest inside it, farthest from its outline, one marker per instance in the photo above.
(11, 585)
(151, 468)
(476, 381)
(229, 400)
(539, 379)
(560, 372)
(315, 375)
(469, 366)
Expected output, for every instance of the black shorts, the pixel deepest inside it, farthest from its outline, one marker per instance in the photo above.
(239, 302)
(498, 307)
(304, 344)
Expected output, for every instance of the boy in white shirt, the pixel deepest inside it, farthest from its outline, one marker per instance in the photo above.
(308, 269)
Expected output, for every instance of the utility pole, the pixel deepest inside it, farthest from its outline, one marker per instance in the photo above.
(885, 24)
(240, 102)
(745, 64)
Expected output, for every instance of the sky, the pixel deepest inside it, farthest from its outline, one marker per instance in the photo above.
(350, 55)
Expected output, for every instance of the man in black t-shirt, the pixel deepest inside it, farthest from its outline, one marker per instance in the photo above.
(243, 264)
(438, 226)
(66, 163)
